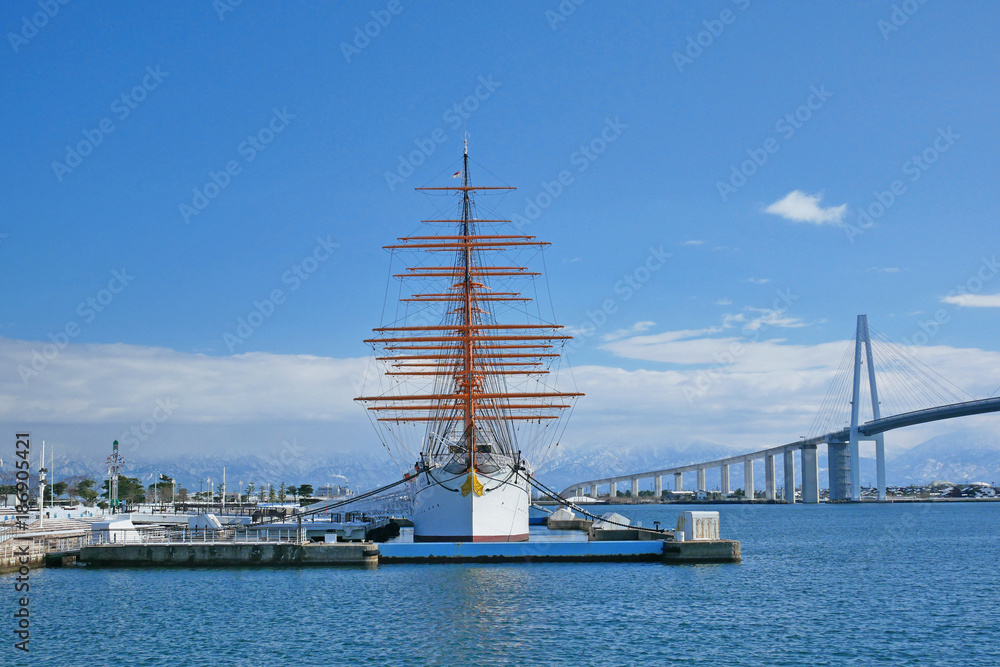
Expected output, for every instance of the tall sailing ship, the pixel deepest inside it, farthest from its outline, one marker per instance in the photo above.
(466, 364)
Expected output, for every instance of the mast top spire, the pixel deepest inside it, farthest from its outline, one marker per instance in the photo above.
(466, 144)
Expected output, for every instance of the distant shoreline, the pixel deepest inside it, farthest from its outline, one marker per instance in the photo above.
(625, 501)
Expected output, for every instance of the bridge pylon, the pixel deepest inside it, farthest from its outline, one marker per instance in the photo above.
(863, 339)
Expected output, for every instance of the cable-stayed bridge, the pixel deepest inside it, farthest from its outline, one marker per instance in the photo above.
(918, 395)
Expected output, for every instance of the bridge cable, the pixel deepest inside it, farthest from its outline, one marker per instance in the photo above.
(925, 370)
(832, 400)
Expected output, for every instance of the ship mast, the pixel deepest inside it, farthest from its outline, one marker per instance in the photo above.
(469, 378)
(486, 368)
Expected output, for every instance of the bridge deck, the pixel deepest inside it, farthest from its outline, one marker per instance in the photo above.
(870, 428)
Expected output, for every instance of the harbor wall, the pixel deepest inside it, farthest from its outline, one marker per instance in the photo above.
(223, 554)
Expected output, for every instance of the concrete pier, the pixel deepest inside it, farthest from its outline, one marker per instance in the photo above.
(678, 481)
(658, 487)
(701, 479)
(839, 463)
(810, 475)
(748, 479)
(724, 472)
(613, 489)
(880, 465)
(769, 484)
(635, 487)
(229, 554)
(593, 490)
(789, 495)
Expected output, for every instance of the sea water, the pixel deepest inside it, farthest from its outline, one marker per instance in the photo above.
(899, 584)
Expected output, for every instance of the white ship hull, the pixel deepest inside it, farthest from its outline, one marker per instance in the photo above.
(441, 513)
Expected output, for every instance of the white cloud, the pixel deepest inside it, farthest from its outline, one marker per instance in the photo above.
(693, 242)
(100, 383)
(888, 269)
(802, 207)
(759, 281)
(637, 328)
(724, 302)
(974, 300)
(762, 392)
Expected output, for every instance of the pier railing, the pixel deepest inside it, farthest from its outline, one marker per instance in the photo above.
(190, 536)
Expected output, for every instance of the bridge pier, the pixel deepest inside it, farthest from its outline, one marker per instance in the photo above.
(658, 487)
(593, 491)
(810, 475)
(748, 479)
(838, 456)
(724, 473)
(769, 492)
(880, 465)
(790, 475)
(678, 481)
(635, 487)
(613, 490)
(701, 479)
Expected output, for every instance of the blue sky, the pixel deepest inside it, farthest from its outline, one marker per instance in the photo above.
(677, 120)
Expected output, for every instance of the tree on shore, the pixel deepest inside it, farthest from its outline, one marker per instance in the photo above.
(305, 490)
(130, 489)
(85, 489)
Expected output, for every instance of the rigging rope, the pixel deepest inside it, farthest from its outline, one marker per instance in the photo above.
(563, 501)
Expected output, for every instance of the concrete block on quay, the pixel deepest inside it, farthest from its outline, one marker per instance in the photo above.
(569, 524)
(702, 551)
